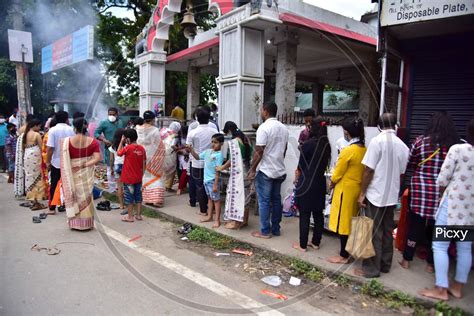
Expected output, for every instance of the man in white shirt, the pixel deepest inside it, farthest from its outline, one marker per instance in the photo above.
(55, 135)
(12, 119)
(211, 123)
(268, 170)
(200, 139)
(385, 162)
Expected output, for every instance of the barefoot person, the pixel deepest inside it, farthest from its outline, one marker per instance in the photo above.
(212, 160)
(237, 196)
(268, 170)
(116, 164)
(169, 136)
(200, 140)
(31, 164)
(456, 181)
(385, 162)
(426, 157)
(310, 193)
(55, 135)
(153, 178)
(132, 173)
(79, 155)
(346, 179)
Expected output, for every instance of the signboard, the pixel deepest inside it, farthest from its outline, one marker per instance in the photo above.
(71, 49)
(408, 11)
(20, 46)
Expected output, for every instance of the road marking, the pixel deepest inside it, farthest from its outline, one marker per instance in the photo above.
(196, 277)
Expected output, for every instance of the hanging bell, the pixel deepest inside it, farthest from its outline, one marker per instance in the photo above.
(189, 24)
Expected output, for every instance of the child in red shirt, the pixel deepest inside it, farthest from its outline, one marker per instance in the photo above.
(132, 173)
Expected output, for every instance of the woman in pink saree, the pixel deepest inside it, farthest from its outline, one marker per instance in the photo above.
(169, 136)
(153, 179)
(79, 155)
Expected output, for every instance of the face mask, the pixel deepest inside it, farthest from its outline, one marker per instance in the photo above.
(2, 121)
(112, 118)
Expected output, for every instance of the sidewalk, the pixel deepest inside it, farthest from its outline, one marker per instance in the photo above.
(408, 281)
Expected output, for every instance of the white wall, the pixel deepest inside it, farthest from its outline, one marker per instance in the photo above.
(292, 154)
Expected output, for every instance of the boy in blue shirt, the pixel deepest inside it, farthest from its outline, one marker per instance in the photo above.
(212, 159)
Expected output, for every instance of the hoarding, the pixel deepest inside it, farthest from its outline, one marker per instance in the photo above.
(20, 46)
(408, 11)
(71, 49)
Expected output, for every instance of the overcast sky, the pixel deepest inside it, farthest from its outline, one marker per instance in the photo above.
(351, 8)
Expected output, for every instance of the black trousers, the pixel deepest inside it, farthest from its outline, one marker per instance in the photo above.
(419, 229)
(305, 215)
(197, 175)
(55, 176)
(3, 161)
(343, 239)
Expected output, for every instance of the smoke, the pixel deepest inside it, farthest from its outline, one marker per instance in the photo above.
(82, 83)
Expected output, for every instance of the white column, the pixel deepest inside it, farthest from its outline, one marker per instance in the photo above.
(240, 75)
(152, 79)
(285, 85)
(194, 90)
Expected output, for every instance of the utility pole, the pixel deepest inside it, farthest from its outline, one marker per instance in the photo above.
(22, 78)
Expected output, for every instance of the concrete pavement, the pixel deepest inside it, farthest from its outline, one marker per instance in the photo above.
(408, 281)
(101, 272)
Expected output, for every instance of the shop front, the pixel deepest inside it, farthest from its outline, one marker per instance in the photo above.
(427, 51)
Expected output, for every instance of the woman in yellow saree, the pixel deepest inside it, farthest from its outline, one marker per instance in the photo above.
(30, 162)
(79, 155)
(153, 179)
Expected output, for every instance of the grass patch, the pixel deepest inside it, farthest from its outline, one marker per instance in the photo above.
(373, 288)
(300, 267)
(148, 212)
(342, 280)
(315, 275)
(443, 309)
(213, 239)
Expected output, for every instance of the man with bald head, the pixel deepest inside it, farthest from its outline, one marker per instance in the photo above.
(385, 162)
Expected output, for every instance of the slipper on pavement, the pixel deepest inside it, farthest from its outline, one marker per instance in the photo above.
(43, 216)
(36, 220)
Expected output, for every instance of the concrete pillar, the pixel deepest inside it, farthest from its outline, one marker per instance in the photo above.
(152, 80)
(194, 90)
(369, 95)
(285, 96)
(318, 95)
(241, 71)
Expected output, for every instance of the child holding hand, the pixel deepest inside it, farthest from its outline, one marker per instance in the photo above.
(212, 160)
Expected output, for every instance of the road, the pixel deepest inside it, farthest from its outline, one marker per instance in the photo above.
(102, 272)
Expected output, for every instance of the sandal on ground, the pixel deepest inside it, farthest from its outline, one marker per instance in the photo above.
(36, 220)
(315, 247)
(126, 219)
(43, 216)
(26, 204)
(37, 207)
(124, 212)
(138, 217)
(260, 235)
(62, 208)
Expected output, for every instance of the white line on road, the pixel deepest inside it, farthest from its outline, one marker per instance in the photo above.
(196, 277)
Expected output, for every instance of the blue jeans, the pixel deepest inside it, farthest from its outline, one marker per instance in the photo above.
(269, 203)
(441, 258)
(132, 193)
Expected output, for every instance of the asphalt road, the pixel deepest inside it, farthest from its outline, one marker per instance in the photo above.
(102, 272)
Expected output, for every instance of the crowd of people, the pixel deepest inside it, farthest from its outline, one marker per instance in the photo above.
(143, 160)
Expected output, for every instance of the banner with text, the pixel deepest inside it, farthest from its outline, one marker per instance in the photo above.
(71, 49)
(408, 11)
